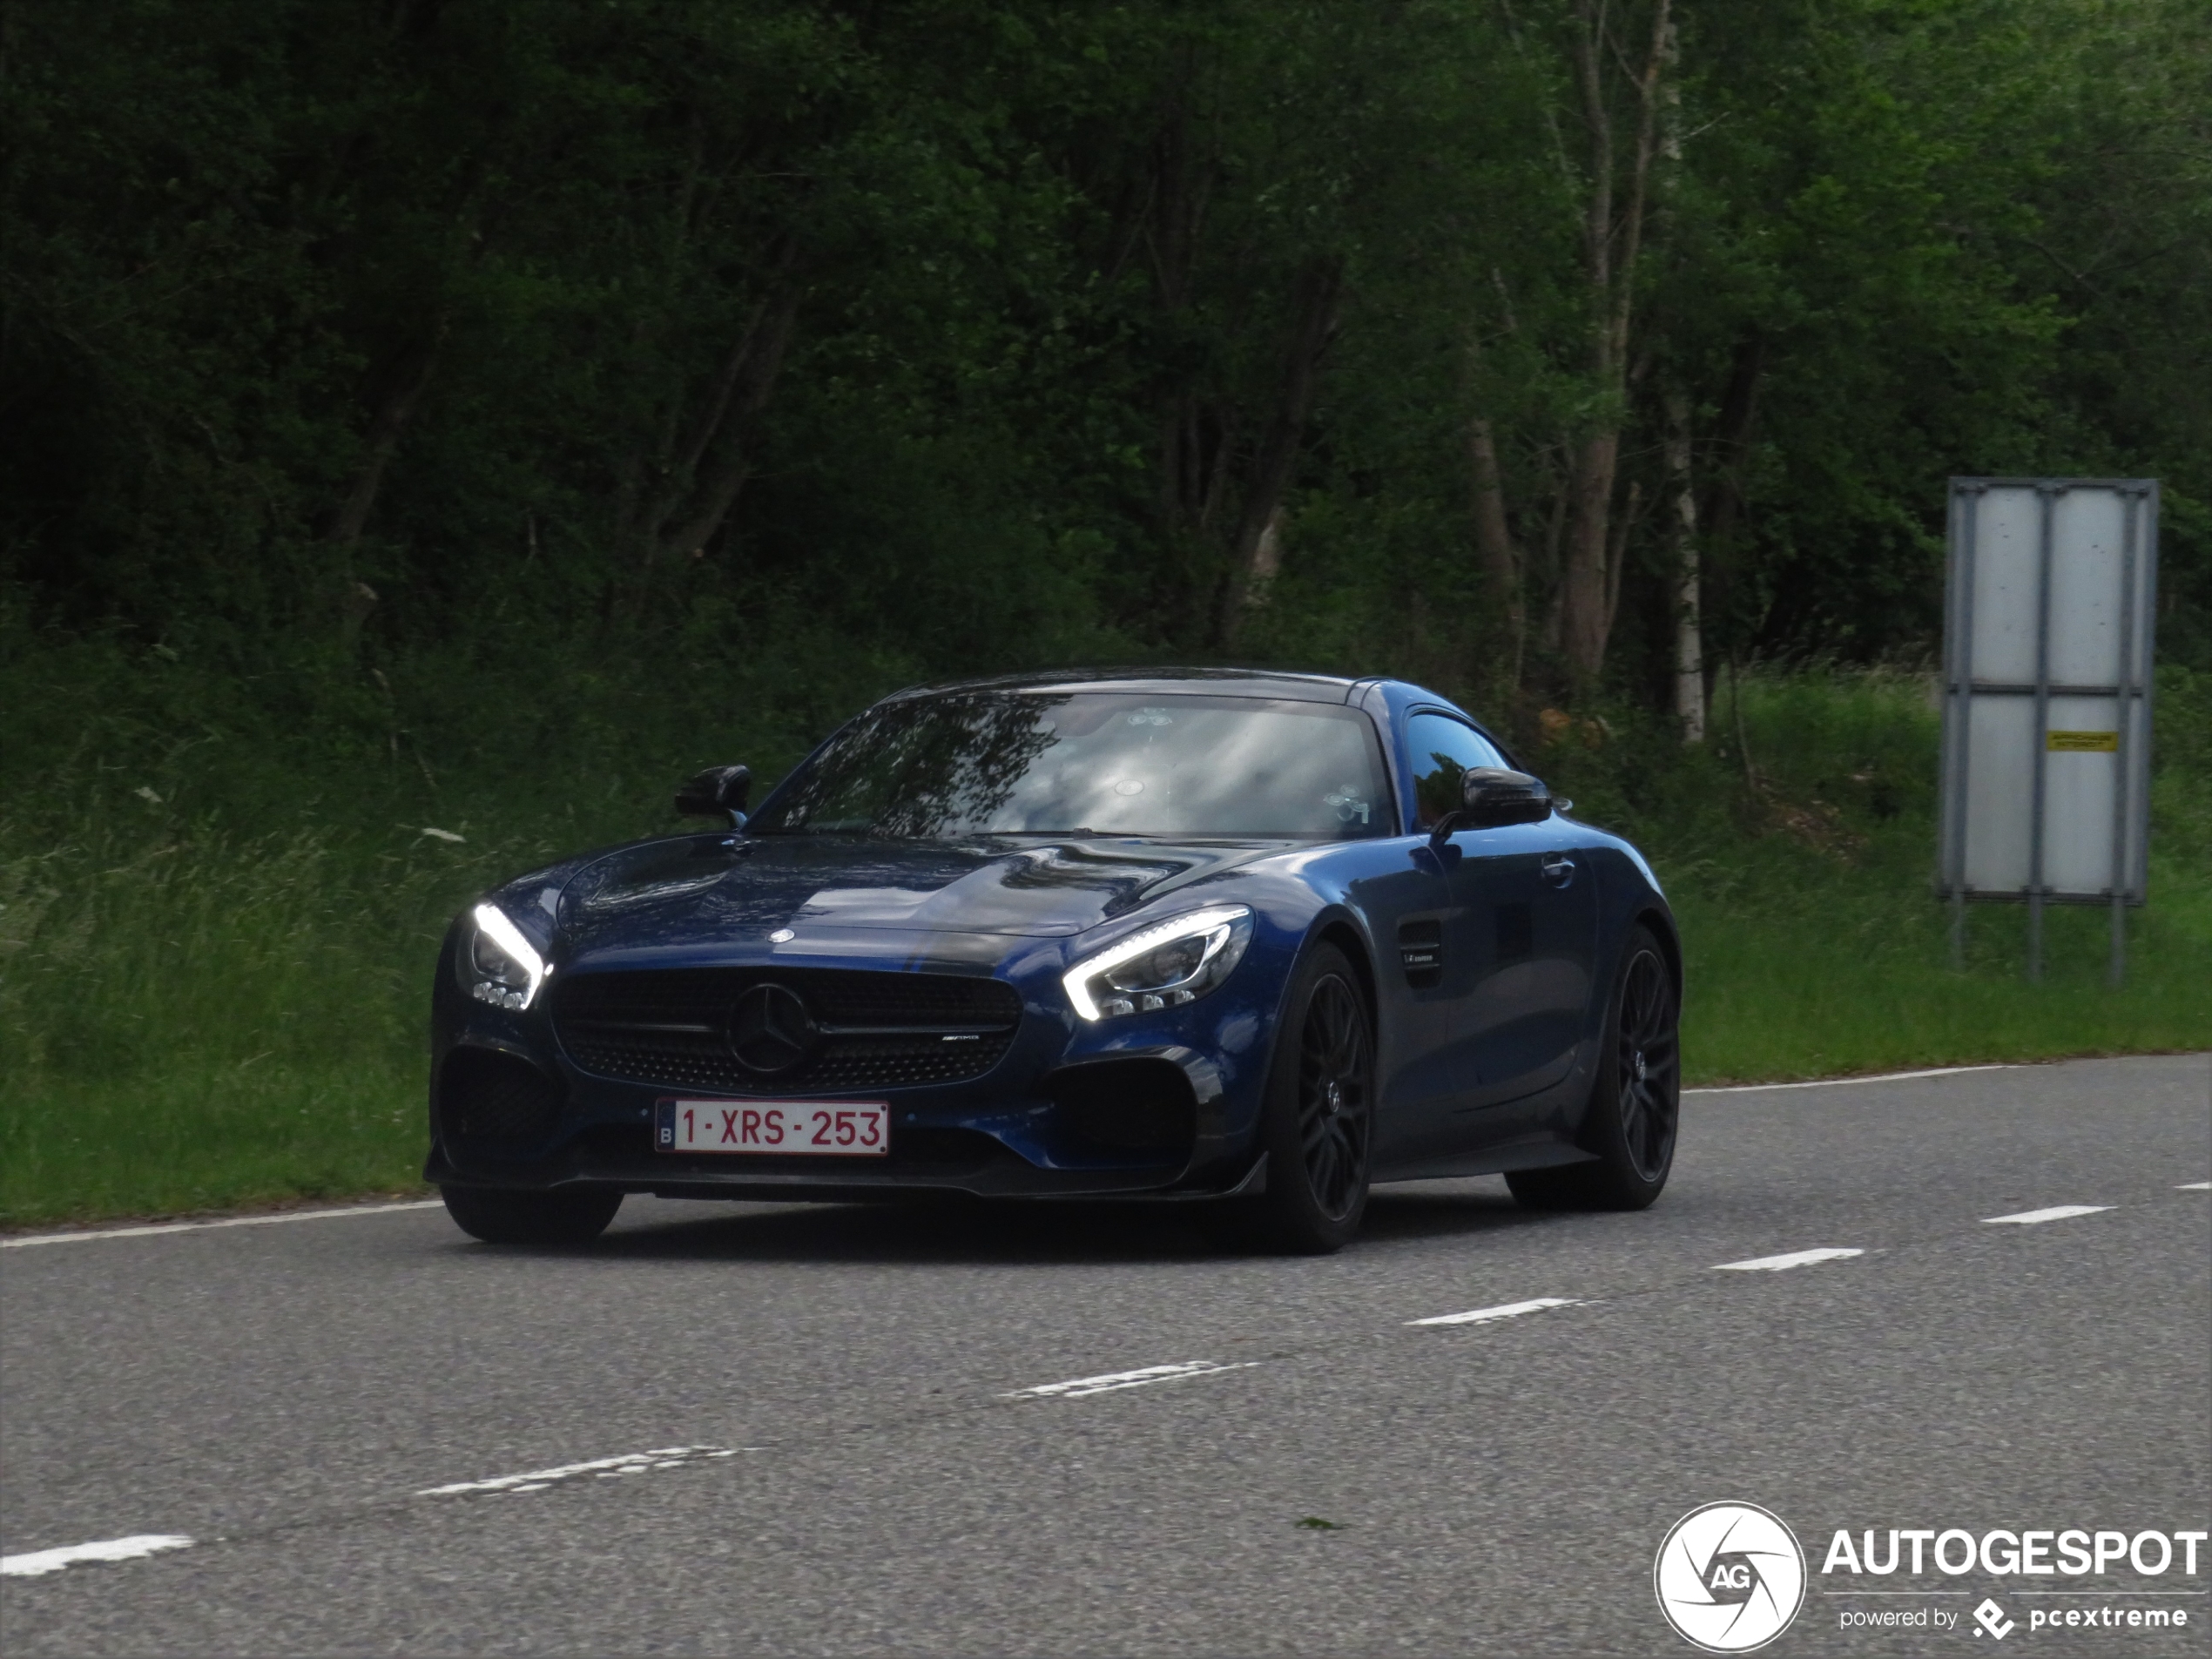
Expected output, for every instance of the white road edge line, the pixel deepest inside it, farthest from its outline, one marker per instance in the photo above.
(1838, 1083)
(39, 1562)
(1503, 1311)
(1795, 1258)
(1111, 1380)
(233, 1221)
(2056, 1212)
(666, 1457)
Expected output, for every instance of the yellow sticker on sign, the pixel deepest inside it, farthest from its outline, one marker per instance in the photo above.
(2092, 743)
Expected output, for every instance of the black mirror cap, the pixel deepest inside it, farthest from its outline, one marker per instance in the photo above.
(1491, 797)
(715, 792)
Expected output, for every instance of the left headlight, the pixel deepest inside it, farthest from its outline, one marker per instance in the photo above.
(497, 964)
(1165, 967)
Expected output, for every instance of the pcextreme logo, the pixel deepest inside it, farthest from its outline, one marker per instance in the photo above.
(1730, 1577)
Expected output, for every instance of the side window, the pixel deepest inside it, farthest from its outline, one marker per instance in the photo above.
(1441, 749)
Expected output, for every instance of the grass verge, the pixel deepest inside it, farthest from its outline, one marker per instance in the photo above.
(192, 1019)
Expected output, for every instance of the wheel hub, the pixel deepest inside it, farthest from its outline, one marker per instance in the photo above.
(1641, 1068)
(1333, 1097)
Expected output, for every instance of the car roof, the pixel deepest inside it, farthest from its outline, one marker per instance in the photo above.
(1158, 681)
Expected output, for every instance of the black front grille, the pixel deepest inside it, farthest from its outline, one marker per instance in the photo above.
(671, 1027)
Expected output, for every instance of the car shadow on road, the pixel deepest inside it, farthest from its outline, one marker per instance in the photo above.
(937, 1232)
(1446, 1209)
(975, 1233)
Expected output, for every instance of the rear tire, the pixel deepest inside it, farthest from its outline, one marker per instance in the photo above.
(1636, 1100)
(502, 1216)
(1318, 1120)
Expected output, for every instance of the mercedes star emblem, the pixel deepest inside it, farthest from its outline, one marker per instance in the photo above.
(770, 1029)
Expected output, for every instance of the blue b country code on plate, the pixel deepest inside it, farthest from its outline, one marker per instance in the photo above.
(844, 1128)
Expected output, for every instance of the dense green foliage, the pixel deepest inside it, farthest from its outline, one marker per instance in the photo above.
(475, 413)
(528, 332)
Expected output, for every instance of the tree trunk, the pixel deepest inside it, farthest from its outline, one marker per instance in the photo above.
(1277, 460)
(1721, 504)
(1731, 442)
(1493, 544)
(1555, 538)
(1587, 583)
(1690, 648)
(748, 396)
(1582, 596)
(404, 384)
(1616, 556)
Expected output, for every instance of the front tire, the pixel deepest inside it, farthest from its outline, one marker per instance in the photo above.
(1317, 1122)
(499, 1216)
(1636, 1100)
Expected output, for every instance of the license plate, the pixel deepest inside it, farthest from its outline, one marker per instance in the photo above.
(842, 1128)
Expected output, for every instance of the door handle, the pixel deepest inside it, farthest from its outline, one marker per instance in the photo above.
(1558, 870)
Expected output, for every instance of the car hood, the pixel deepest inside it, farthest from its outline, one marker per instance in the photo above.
(719, 889)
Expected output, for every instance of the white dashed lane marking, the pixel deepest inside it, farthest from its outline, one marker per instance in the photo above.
(605, 1468)
(2056, 1212)
(2194, 1186)
(1504, 1311)
(1113, 1379)
(1795, 1258)
(113, 1549)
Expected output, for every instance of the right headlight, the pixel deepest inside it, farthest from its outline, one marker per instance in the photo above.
(1165, 966)
(497, 964)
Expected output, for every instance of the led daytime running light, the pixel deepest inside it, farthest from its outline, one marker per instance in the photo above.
(1078, 979)
(491, 921)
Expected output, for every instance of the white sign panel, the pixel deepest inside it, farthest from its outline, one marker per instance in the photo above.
(2046, 689)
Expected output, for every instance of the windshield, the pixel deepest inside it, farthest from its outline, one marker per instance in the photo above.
(1096, 763)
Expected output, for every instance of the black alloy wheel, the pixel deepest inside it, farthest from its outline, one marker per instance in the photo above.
(1317, 1122)
(1636, 1099)
(1646, 1065)
(1334, 1065)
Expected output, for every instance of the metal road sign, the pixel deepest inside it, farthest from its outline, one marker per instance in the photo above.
(2047, 677)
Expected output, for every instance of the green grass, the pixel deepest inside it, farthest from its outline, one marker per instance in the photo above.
(194, 1017)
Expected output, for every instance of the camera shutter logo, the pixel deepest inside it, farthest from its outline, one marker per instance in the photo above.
(1730, 1577)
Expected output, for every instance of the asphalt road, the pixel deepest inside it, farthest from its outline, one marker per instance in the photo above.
(862, 1474)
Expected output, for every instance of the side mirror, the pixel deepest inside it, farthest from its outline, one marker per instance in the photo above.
(717, 791)
(1491, 796)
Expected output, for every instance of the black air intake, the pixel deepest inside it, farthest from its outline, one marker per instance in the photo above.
(1137, 1105)
(493, 1105)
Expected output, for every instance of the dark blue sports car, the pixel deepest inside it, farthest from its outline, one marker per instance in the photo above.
(1249, 938)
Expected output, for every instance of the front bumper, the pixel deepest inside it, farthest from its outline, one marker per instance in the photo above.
(1164, 1104)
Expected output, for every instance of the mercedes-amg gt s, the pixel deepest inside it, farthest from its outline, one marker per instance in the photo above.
(1252, 940)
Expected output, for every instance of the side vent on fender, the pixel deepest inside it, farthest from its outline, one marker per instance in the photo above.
(1420, 953)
